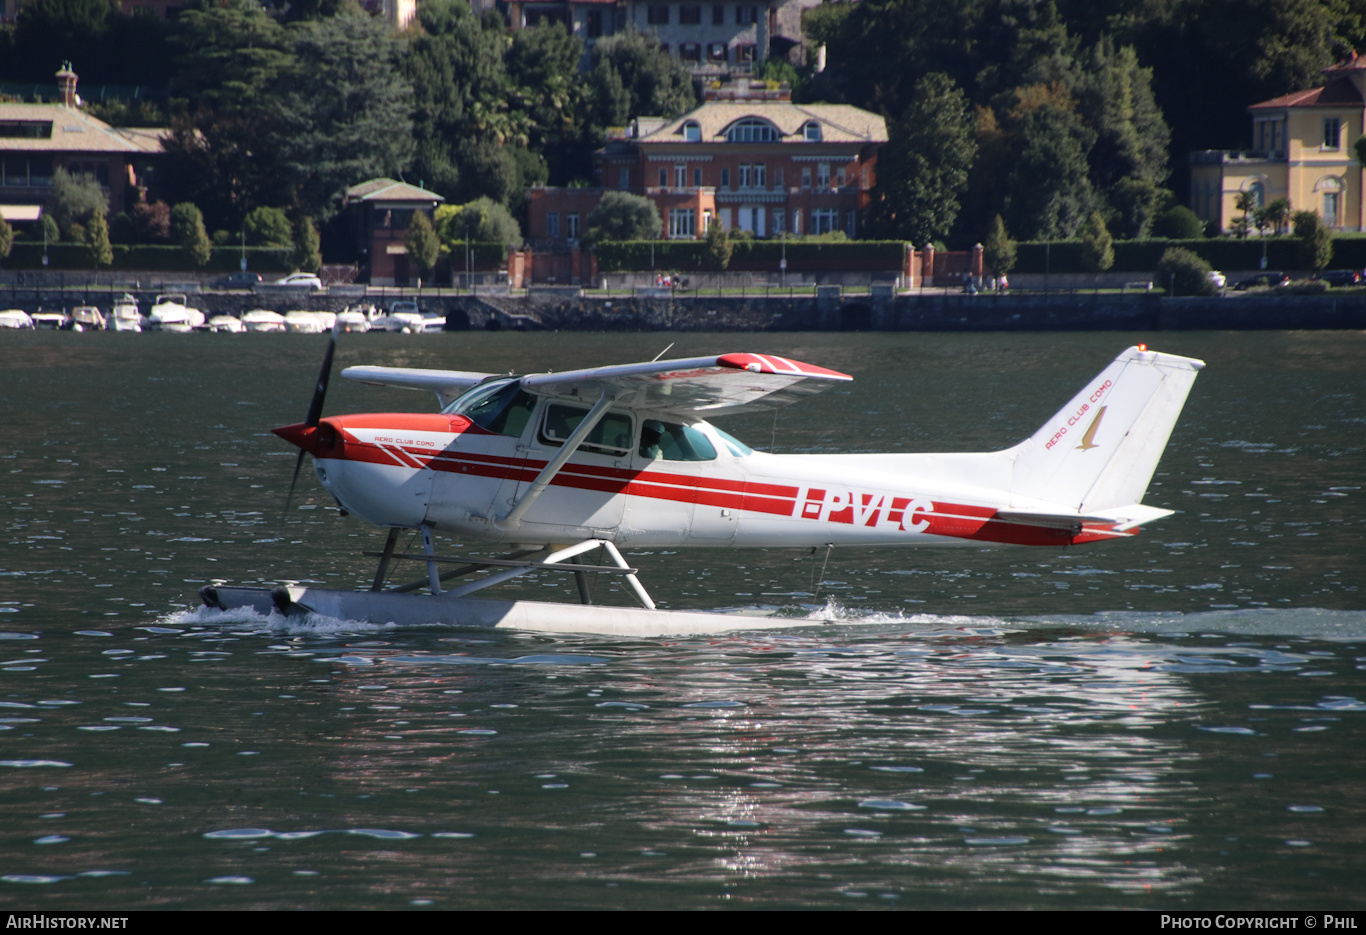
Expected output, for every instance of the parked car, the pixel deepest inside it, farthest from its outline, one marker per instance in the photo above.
(1341, 277)
(1219, 279)
(236, 281)
(301, 280)
(1261, 279)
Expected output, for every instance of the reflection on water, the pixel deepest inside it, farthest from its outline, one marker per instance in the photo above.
(1173, 722)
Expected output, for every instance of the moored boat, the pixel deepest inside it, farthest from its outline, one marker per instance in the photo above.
(300, 322)
(124, 316)
(260, 319)
(229, 324)
(15, 319)
(171, 312)
(87, 318)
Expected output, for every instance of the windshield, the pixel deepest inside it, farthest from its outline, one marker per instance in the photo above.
(737, 447)
(501, 406)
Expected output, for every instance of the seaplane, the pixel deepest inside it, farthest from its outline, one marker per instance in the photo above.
(551, 466)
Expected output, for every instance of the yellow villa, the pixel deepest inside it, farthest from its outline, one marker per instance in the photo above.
(1303, 152)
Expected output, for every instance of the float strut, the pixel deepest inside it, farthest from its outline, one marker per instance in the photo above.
(382, 572)
(428, 546)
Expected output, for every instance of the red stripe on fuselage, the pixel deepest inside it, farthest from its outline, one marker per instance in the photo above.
(950, 520)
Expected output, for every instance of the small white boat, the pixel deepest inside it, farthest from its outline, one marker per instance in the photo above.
(227, 324)
(15, 319)
(433, 324)
(87, 318)
(259, 319)
(353, 320)
(124, 316)
(49, 321)
(171, 313)
(300, 322)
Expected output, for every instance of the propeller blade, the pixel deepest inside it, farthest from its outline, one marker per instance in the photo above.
(315, 414)
(315, 408)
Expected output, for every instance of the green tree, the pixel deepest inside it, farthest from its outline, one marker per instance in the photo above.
(543, 69)
(1179, 223)
(463, 123)
(923, 170)
(48, 32)
(97, 241)
(307, 255)
(6, 238)
(423, 245)
(999, 250)
(1245, 202)
(719, 247)
(268, 227)
(1278, 214)
(1050, 189)
(231, 57)
(187, 230)
(46, 230)
(1097, 246)
(343, 109)
(1316, 240)
(632, 76)
(482, 220)
(1114, 95)
(623, 216)
(1184, 272)
(1137, 204)
(78, 197)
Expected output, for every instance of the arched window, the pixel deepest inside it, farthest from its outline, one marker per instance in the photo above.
(692, 131)
(752, 130)
(1257, 189)
(812, 132)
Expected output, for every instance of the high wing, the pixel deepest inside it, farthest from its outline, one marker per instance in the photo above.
(704, 386)
(448, 385)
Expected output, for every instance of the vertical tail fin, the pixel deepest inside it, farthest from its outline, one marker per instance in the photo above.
(1101, 449)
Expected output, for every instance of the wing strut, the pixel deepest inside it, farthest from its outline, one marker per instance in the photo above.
(512, 519)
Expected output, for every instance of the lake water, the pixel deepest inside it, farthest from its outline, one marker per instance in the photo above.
(1175, 721)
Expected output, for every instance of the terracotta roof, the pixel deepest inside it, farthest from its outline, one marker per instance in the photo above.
(74, 131)
(1352, 62)
(840, 123)
(389, 190)
(1338, 93)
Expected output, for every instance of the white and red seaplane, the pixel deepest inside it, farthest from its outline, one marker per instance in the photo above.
(554, 465)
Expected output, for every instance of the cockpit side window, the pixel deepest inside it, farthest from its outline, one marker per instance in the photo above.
(668, 441)
(612, 434)
(502, 408)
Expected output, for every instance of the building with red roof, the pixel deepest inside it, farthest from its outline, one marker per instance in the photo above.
(1302, 151)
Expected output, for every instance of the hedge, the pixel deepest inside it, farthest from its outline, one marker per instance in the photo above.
(146, 257)
(691, 255)
(1141, 256)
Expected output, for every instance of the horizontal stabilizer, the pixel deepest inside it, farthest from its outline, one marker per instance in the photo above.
(446, 384)
(1120, 519)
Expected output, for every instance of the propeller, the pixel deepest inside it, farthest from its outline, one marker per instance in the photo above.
(315, 414)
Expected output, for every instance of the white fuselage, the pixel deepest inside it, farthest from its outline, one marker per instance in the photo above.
(398, 469)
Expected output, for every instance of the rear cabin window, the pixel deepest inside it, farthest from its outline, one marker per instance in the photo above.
(667, 441)
(501, 408)
(612, 434)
